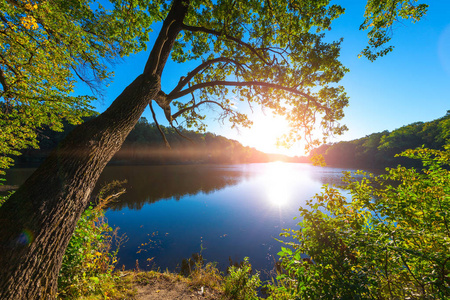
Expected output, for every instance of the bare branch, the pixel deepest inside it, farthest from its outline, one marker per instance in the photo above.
(201, 67)
(157, 125)
(247, 83)
(180, 134)
(227, 36)
(88, 82)
(178, 113)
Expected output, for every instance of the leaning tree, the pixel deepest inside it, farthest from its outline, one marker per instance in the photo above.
(270, 53)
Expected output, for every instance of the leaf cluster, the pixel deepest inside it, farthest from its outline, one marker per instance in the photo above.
(239, 284)
(271, 54)
(380, 17)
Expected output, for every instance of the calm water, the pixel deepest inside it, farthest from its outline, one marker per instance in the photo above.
(231, 211)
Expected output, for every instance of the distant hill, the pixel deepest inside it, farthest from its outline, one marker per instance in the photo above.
(145, 145)
(378, 149)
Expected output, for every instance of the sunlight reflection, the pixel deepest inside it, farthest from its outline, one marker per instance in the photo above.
(278, 189)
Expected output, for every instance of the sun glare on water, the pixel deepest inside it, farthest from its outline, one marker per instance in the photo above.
(277, 183)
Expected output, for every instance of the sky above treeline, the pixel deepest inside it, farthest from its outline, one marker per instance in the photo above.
(410, 84)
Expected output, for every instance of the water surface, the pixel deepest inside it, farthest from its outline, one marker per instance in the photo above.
(225, 211)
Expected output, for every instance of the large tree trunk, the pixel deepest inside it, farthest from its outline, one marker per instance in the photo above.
(36, 223)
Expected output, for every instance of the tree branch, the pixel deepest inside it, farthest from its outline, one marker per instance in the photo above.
(178, 113)
(166, 38)
(197, 70)
(16, 72)
(3, 82)
(161, 43)
(227, 36)
(86, 81)
(247, 83)
(157, 125)
(180, 134)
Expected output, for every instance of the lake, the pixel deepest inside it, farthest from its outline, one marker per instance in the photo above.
(225, 211)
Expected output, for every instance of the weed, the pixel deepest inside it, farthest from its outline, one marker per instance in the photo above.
(89, 260)
(240, 284)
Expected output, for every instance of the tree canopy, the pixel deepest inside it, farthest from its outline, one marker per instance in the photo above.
(46, 46)
(269, 53)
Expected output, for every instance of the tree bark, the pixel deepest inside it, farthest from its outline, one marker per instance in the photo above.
(36, 223)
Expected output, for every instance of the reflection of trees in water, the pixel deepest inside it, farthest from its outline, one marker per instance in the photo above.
(326, 175)
(330, 175)
(148, 184)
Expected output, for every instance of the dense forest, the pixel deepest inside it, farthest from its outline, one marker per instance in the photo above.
(145, 145)
(378, 150)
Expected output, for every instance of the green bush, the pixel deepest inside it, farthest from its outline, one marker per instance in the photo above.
(239, 284)
(89, 261)
(389, 240)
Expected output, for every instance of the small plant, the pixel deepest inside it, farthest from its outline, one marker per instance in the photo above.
(199, 273)
(89, 260)
(206, 275)
(239, 284)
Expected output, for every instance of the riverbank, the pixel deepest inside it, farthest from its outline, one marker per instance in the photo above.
(199, 281)
(165, 286)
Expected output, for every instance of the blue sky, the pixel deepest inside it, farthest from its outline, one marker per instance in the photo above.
(410, 84)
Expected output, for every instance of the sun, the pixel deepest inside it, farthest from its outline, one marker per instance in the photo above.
(265, 132)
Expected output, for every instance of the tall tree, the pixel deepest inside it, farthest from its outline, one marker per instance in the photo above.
(269, 53)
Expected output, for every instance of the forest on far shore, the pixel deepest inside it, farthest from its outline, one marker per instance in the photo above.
(145, 145)
(378, 150)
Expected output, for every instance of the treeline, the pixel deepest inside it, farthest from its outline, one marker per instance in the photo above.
(378, 149)
(145, 145)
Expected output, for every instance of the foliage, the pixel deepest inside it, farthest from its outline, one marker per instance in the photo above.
(3, 198)
(207, 275)
(389, 240)
(380, 17)
(378, 149)
(201, 273)
(273, 55)
(239, 284)
(89, 260)
(45, 46)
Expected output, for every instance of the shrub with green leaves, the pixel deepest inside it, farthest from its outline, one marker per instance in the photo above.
(89, 259)
(240, 284)
(389, 238)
